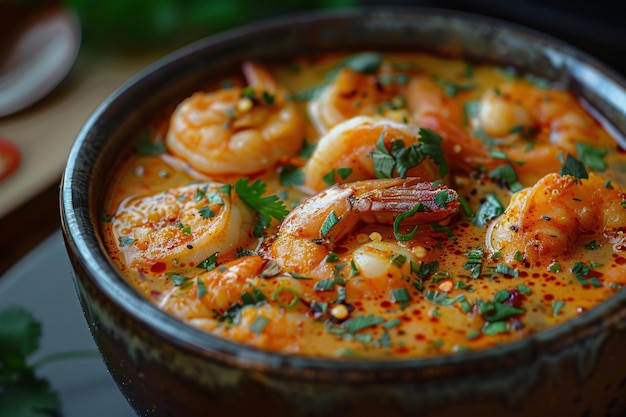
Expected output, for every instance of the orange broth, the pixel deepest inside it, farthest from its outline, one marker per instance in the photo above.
(444, 290)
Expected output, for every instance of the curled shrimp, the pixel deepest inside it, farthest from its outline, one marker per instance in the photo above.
(214, 302)
(305, 239)
(353, 94)
(535, 125)
(237, 130)
(431, 108)
(347, 148)
(556, 216)
(181, 227)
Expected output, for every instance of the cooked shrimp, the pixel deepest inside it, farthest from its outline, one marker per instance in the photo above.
(349, 146)
(431, 108)
(557, 215)
(237, 130)
(181, 227)
(305, 237)
(535, 125)
(353, 94)
(282, 329)
(213, 301)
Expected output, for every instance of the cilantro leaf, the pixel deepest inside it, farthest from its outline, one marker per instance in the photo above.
(574, 167)
(267, 207)
(22, 392)
(145, 147)
(361, 322)
(30, 396)
(432, 146)
(591, 156)
(19, 335)
(291, 175)
(508, 176)
(490, 209)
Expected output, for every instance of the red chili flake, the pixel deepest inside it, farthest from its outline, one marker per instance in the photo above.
(158, 268)
(10, 158)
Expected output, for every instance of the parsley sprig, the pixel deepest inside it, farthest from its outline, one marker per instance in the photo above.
(267, 207)
(402, 158)
(24, 393)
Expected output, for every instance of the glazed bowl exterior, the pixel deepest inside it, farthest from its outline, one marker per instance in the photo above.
(166, 368)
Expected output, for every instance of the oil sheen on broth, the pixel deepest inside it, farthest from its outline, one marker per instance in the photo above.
(369, 205)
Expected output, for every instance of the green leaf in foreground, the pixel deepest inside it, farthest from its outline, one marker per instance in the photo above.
(267, 207)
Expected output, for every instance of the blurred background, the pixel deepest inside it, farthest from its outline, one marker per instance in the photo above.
(60, 58)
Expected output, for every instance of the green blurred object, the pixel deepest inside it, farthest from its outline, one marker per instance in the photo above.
(133, 24)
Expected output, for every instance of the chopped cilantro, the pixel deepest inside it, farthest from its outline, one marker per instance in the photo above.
(329, 178)
(403, 158)
(178, 280)
(493, 328)
(574, 167)
(524, 289)
(398, 260)
(442, 198)
(146, 147)
(298, 276)
(200, 193)
(259, 324)
(344, 173)
(216, 198)
(592, 157)
(329, 223)
(206, 212)
(291, 175)
(557, 305)
(332, 257)
(268, 98)
(494, 311)
(441, 298)
(361, 322)
(324, 285)
(506, 270)
(400, 295)
(392, 323)
(592, 245)
(507, 175)
(307, 149)
(474, 262)
(452, 89)
(209, 263)
(490, 209)
(267, 207)
(126, 241)
(201, 288)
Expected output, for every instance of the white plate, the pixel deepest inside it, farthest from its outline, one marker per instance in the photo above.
(42, 283)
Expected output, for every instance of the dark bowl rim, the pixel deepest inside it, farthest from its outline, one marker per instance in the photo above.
(77, 227)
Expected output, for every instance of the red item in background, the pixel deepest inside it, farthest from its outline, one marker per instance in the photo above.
(9, 158)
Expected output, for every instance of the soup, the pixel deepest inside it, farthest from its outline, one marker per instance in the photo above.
(372, 206)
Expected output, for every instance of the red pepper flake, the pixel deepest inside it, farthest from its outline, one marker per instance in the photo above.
(10, 158)
(158, 268)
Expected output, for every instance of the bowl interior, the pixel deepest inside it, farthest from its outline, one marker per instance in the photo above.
(162, 85)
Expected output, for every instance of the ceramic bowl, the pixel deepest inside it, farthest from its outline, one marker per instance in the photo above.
(166, 368)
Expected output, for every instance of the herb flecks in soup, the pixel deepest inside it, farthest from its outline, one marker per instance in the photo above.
(388, 206)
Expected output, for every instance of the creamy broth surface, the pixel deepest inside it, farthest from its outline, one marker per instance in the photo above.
(372, 206)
